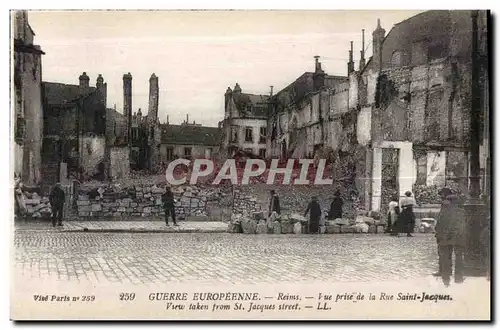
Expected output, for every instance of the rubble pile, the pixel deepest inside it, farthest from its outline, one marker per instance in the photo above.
(36, 206)
(258, 223)
(295, 223)
(144, 200)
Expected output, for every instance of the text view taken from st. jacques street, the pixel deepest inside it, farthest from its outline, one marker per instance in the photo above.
(230, 148)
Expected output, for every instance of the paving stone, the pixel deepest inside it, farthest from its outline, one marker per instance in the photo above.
(230, 258)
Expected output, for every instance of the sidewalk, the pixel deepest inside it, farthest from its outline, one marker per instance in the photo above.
(125, 226)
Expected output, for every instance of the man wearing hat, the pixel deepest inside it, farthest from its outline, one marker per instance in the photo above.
(450, 236)
(57, 198)
(169, 205)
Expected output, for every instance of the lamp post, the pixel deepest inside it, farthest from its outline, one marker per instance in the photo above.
(474, 207)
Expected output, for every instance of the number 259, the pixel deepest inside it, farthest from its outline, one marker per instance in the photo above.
(127, 296)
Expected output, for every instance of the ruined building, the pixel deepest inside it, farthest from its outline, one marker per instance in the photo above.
(74, 142)
(141, 142)
(27, 101)
(245, 122)
(397, 123)
(415, 100)
(133, 138)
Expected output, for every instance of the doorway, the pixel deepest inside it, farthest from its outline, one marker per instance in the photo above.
(389, 177)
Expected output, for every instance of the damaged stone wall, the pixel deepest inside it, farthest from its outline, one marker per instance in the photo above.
(119, 167)
(110, 201)
(92, 154)
(364, 126)
(422, 104)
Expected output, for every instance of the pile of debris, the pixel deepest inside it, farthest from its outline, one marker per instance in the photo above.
(364, 222)
(258, 223)
(36, 206)
(29, 202)
(274, 224)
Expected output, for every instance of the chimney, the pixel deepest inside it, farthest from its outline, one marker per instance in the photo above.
(84, 83)
(319, 75)
(362, 61)
(378, 38)
(154, 92)
(100, 81)
(237, 89)
(127, 103)
(271, 92)
(350, 64)
(187, 118)
(227, 98)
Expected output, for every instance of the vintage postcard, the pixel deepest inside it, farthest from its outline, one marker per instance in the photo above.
(250, 165)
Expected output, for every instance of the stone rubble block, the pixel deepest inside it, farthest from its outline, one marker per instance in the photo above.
(276, 227)
(261, 227)
(286, 227)
(297, 228)
(334, 229)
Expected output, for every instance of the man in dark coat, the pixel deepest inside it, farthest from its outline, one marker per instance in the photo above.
(314, 210)
(336, 207)
(274, 203)
(169, 205)
(57, 198)
(450, 237)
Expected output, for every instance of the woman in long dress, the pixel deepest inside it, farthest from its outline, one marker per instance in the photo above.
(392, 216)
(336, 207)
(407, 216)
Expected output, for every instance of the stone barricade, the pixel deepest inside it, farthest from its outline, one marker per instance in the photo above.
(144, 201)
(295, 223)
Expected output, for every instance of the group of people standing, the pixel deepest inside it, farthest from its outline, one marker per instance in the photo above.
(313, 209)
(400, 217)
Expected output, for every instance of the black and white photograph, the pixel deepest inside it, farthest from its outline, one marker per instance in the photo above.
(250, 164)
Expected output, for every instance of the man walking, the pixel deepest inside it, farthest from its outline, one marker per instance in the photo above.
(57, 198)
(169, 205)
(450, 236)
(274, 204)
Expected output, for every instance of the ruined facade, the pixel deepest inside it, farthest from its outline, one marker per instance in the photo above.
(141, 142)
(245, 124)
(301, 112)
(144, 133)
(398, 123)
(417, 87)
(74, 137)
(27, 101)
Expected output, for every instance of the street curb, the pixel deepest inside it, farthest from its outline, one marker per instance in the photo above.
(138, 230)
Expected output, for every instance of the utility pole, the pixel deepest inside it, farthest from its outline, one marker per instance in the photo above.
(474, 206)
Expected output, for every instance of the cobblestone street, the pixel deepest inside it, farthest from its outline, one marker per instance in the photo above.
(144, 258)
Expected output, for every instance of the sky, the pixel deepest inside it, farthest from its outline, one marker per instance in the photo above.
(198, 54)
